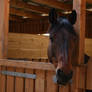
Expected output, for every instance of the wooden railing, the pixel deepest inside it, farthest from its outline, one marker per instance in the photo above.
(26, 64)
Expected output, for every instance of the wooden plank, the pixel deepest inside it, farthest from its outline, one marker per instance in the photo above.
(80, 27)
(21, 12)
(40, 80)
(51, 86)
(88, 46)
(10, 81)
(16, 18)
(27, 64)
(19, 82)
(89, 75)
(64, 88)
(29, 83)
(89, 1)
(26, 53)
(4, 17)
(3, 81)
(34, 8)
(55, 4)
(26, 46)
(74, 84)
(80, 7)
(0, 78)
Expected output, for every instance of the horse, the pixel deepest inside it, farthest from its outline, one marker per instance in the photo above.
(62, 41)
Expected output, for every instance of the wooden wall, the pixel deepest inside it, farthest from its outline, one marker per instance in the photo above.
(41, 26)
(27, 46)
(33, 46)
(29, 26)
(89, 26)
(88, 46)
(88, 50)
(89, 75)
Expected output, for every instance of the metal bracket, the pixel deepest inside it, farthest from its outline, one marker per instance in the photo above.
(17, 74)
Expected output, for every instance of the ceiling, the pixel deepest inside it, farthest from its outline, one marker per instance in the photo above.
(39, 9)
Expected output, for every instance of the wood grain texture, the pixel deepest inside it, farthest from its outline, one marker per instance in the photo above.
(40, 82)
(27, 46)
(89, 1)
(19, 81)
(27, 64)
(64, 88)
(80, 7)
(88, 47)
(10, 81)
(29, 83)
(4, 17)
(55, 4)
(51, 86)
(21, 4)
(3, 81)
(23, 13)
(89, 75)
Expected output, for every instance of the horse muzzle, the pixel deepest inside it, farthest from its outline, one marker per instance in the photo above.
(62, 79)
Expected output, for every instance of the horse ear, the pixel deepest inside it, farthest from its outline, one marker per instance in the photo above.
(73, 17)
(53, 16)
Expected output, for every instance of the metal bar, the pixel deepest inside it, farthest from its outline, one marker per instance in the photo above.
(17, 74)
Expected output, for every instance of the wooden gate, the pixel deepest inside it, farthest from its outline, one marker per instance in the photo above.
(15, 77)
(43, 82)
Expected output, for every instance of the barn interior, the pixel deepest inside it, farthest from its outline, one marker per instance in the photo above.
(28, 39)
(28, 21)
(31, 17)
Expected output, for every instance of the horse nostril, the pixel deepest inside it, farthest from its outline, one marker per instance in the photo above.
(59, 72)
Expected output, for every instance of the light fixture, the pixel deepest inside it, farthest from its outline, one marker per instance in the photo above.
(44, 14)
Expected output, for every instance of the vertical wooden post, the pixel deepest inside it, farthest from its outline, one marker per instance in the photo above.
(4, 19)
(80, 7)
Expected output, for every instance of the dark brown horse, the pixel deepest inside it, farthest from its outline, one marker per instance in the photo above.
(62, 45)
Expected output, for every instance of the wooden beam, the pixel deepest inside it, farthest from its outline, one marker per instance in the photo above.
(55, 4)
(27, 64)
(37, 9)
(23, 13)
(4, 19)
(89, 1)
(21, 4)
(15, 18)
(80, 7)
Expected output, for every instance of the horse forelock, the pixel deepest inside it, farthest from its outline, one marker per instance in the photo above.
(62, 25)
